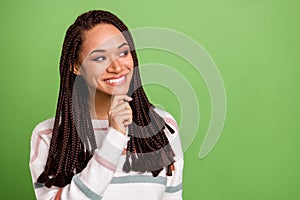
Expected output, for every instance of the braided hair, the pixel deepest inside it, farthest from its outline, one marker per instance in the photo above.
(73, 140)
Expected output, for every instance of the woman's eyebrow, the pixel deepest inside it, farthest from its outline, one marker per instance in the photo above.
(122, 45)
(103, 50)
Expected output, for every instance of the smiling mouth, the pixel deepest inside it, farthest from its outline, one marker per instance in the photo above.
(116, 81)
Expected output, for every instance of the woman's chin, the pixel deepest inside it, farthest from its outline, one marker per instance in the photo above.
(118, 91)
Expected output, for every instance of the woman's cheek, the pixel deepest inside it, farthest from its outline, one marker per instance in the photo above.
(91, 76)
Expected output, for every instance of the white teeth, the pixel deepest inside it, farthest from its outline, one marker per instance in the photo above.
(116, 80)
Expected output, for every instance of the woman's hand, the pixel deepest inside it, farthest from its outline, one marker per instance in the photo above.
(120, 113)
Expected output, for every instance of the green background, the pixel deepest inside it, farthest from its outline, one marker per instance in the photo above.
(255, 45)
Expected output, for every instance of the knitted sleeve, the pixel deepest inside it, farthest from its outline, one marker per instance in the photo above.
(88, 184)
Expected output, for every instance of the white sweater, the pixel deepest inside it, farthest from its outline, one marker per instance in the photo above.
(103, 177)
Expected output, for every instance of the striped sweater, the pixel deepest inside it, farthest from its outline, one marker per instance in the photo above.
(103, 177)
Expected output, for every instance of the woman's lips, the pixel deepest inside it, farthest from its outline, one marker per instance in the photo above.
(116, 81)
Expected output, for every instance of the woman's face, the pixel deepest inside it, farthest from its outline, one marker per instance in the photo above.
(106, 61)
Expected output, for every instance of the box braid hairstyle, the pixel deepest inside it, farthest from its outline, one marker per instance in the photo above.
(73, 141)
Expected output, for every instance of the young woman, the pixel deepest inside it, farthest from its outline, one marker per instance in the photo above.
(107, 141)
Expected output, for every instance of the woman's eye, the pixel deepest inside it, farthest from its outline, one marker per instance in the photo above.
(100, 58)
(124, 53)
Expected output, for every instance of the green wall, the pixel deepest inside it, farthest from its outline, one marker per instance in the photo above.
(255, 45)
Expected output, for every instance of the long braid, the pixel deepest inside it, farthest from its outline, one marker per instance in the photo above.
(65, 145)
(73, 140)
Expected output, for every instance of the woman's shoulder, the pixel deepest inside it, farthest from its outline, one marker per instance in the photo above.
(43, 127)
(45, 124)
(169, 119)
(162, 113)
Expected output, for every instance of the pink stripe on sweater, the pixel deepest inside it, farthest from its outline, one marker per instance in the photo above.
(104, 162)
(38, 141)
(58, 194)
(172, 122)
(46, 132)
(100, 129)
(124, 151)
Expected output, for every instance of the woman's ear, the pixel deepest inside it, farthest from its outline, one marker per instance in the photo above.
(76, 69)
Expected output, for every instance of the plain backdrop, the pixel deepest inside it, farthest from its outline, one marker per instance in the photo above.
(255, 45)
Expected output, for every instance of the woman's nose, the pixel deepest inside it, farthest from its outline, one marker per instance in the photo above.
(115, 66)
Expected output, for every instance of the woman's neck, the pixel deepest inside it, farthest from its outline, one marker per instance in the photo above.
(99, 104)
